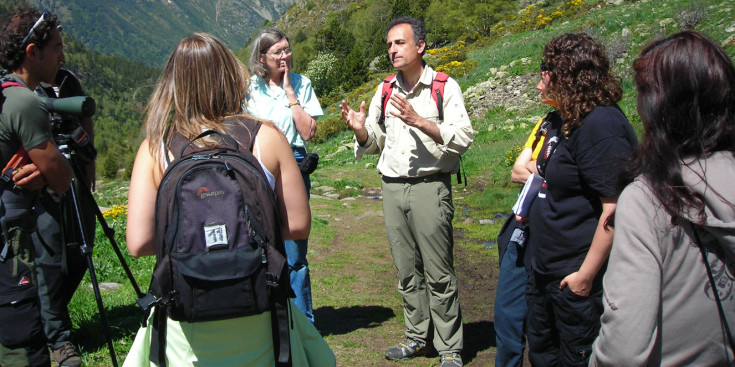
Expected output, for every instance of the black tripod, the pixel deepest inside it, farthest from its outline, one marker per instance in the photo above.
(71, 203)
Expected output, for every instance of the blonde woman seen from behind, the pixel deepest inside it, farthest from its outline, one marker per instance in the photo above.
(203, 84)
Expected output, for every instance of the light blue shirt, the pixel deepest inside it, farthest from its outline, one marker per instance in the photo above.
(271, 103)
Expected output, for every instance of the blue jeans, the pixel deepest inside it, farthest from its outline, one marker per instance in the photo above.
(510, 310)
(296, 255)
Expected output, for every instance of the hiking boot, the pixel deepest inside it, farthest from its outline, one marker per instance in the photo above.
(405, 350)
(451, 360)
(67, 356)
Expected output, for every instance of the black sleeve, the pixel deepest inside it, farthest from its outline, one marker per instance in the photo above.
(68, 83)
(604, 142)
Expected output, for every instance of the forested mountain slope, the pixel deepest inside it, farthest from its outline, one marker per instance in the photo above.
(147, 30)
(119, 86)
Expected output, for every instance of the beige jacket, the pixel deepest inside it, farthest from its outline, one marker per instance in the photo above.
(405, 151)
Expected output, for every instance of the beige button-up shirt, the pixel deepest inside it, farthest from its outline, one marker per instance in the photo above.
(406, 151)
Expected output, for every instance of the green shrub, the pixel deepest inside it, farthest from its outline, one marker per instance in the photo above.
(457, 68)
(451, 59)
(328, 127)
(129, 168)
(322, 72)
(109, 167)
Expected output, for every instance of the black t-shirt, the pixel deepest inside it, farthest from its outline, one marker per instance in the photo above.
(582, 169)
(68, 83)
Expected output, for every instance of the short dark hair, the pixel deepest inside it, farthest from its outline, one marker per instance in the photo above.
(16, 28)
(265, 39)
(686, 94)
(417, 26)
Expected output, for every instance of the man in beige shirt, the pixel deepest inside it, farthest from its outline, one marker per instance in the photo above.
(418, 152)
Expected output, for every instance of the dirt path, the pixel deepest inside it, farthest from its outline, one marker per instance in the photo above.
(357, 307)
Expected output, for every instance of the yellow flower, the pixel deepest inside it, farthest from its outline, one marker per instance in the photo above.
(116, 212)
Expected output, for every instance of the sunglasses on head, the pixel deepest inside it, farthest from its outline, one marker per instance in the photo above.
(40, 20)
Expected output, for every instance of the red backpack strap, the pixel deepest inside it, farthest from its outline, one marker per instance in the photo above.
(5, 83)
(385, 96)
(12, 84)
(437, 92)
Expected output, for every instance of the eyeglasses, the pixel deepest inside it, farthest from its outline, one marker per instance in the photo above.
(543, 66)
(282, 53)
(40, 20)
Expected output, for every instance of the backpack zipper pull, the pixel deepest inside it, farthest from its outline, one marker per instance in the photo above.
(254, 236)
(227, 164)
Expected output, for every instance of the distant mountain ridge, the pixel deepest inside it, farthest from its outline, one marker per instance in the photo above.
(147, 30)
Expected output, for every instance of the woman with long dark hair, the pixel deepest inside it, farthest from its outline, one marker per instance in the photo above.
(660, 306)
(570, 218)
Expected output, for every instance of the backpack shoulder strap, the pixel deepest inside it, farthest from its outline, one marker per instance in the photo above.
(385, 96)
(541, 131)
(280, 326)
(157, 353)
(7, 81)
(246, 128)
(6, 84)
(178, 142)
(437, 92)
(241, 127)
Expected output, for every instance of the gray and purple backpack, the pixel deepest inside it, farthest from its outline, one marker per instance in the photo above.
(219, 246)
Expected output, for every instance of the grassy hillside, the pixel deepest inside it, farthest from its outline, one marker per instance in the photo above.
(354, 287)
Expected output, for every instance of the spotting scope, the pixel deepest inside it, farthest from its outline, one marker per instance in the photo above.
(82, 106)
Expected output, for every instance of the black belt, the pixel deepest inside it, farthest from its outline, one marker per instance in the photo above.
(439, 176)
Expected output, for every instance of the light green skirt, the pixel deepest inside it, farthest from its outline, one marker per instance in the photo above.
(244, 341)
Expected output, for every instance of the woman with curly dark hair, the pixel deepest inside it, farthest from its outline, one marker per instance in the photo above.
(681, 196)
(571, 216)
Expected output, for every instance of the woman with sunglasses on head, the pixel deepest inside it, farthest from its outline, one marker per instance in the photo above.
(202, 88)
(287, 99)
(660, 305)
(571, 216)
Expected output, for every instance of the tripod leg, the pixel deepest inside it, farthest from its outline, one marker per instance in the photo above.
(109, 232)
(103, 316)
(87, 252)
